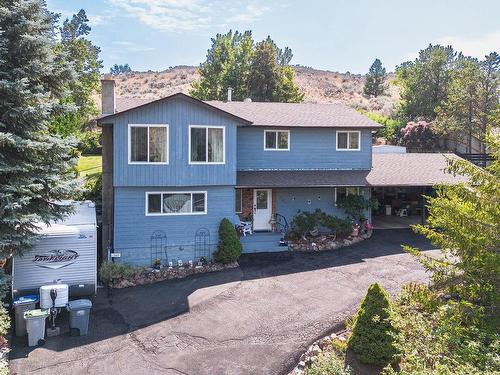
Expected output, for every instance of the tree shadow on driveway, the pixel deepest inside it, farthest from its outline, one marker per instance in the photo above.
(127, 310)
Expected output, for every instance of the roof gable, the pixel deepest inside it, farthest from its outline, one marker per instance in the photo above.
(130, 104)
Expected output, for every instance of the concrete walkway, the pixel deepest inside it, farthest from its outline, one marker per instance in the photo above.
(257, 319)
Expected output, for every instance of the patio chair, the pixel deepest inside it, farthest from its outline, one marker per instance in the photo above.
(243, 226)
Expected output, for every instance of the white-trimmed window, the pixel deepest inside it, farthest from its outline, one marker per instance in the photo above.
(147, 144)
(342, 192)
(348, 140)
(207, 144)
(176, 203)
(276, 140)
(238, 201)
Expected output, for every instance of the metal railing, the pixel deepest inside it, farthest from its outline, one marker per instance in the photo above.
(481, 160)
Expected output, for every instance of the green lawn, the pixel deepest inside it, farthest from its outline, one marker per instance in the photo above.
(88, 165)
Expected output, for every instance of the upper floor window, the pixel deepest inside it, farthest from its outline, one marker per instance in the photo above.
(277, 140)
(348, 140)
(206, 144)
(148, 144)
(176, 203)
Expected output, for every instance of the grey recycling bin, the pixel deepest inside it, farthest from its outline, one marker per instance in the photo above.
(79, 312)
(35, 325)
(21, 305)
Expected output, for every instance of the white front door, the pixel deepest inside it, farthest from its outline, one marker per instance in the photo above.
(262, 209)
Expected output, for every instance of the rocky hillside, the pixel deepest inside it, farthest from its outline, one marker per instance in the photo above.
(320, 86)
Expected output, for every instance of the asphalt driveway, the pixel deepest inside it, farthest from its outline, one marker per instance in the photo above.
(257, 319)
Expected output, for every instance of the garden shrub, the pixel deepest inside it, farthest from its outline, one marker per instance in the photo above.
(114, 270)
(373, 331)
(356, 205)
(305, 221)
(438, 336)
(4, 317)
(329, 364)
(229, 249)
(342, 227)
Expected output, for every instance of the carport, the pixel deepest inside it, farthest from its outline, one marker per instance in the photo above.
(400, 182)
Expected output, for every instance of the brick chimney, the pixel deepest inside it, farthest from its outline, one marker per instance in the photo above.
(108, 101)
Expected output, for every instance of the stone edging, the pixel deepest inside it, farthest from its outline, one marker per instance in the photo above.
(323, 243)
(152, 275)
(315, 349)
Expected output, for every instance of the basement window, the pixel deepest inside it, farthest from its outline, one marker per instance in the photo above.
(176, 203)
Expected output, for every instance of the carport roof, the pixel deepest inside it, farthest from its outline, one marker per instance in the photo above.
(416, 169)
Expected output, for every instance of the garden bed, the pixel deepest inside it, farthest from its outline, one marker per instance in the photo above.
(134, 276)
(324, 242)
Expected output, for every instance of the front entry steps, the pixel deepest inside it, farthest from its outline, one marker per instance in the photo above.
(262, 242)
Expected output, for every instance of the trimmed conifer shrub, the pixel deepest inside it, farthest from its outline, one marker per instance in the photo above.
(373, 332)
(229, 249)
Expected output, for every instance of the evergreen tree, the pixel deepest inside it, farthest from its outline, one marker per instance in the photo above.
(373, 331)
(375, 78)
(84, 57)
(459, 115)
(227, 65)
(120, 69)
(34, 164)
(463, 222)
(489, 111)
(424, 83)
(264, 73)
(260, 71)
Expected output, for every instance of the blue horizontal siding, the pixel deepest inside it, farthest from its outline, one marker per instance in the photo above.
(290, 201)
(133, 229)
(310, 148)
(178, 114)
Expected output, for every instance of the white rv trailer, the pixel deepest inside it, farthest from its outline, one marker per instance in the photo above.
(66, 253)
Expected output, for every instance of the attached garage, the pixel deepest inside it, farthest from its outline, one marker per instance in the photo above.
(399, 182)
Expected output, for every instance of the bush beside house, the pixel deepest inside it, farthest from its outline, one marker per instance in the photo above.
(373, 332)
(230, 248)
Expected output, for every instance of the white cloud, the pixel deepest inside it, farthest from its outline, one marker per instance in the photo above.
(126, 46)
(187, 15)
(475, 47)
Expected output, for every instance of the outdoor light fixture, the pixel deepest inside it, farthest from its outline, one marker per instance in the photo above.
(179, 262)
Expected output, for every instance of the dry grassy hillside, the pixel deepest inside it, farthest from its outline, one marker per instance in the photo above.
(319, 86)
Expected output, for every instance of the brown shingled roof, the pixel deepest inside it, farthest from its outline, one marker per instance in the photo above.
(280, 114)
(388, 170)
(297, 114)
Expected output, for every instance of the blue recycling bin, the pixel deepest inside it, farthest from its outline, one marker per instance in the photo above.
(21, 305)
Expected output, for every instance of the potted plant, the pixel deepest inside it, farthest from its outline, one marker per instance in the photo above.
(157, 263)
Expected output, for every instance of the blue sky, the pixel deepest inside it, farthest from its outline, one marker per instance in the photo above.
(337, 35)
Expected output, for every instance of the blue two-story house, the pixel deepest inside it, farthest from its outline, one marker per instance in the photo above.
(173, 168)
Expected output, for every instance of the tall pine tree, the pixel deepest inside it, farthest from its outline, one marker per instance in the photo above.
(374, 85)
(424, 82)
(260, 71)
(34, 164)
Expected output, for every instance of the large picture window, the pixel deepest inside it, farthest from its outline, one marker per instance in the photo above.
(206, 144)
(176, 203)
(148, 144)
(348, 140)
(276, 140)
(342, 192)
